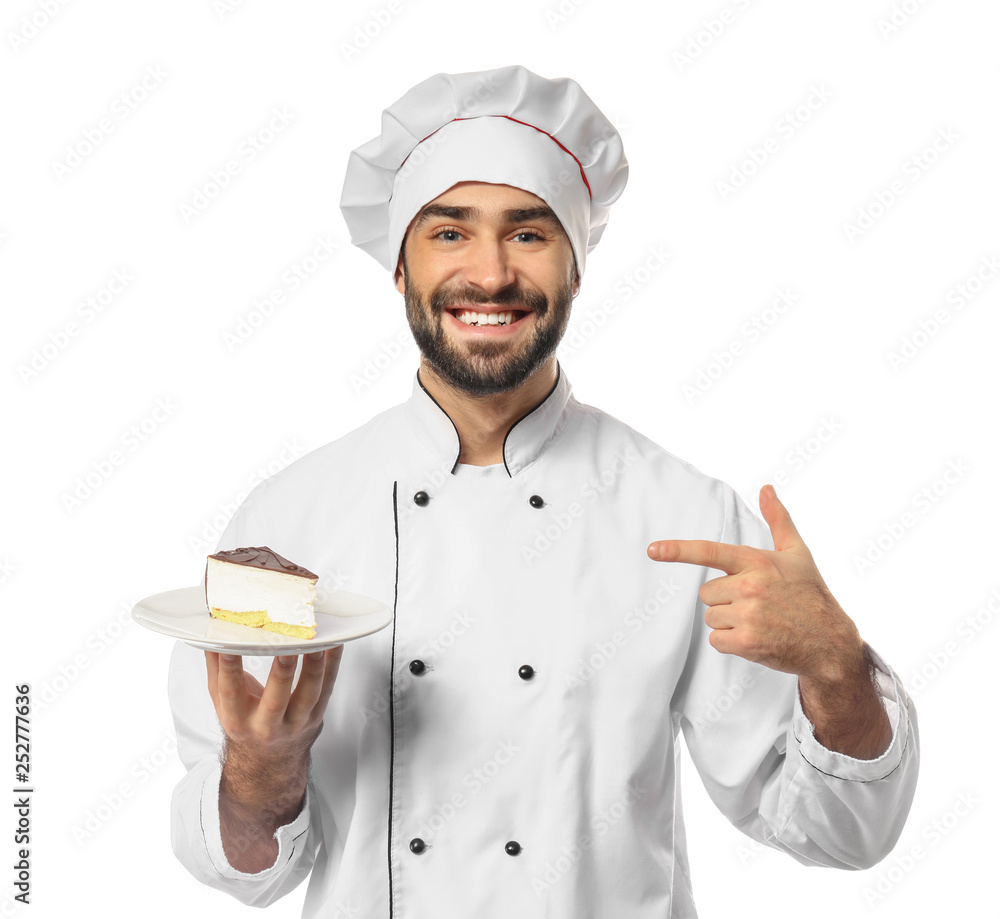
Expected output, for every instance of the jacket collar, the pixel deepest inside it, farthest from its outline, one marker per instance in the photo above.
(526, 439)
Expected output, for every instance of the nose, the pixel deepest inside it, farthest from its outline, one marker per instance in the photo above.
(489, 265)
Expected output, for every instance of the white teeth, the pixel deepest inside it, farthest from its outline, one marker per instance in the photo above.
(471, 318)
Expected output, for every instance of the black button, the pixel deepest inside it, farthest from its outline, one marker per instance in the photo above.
(421, 498)
(512, 848)
(417, 667)
(525, 671)
(417, 845)
(536, 501)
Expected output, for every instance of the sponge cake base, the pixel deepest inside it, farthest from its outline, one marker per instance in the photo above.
(259, 619)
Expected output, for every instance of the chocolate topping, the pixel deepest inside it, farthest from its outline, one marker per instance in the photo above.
(263, 557)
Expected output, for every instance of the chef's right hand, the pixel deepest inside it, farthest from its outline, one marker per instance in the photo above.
(269, 732)
(273, 720)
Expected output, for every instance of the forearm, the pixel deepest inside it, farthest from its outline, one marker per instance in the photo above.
(847, 712)
(256, 796)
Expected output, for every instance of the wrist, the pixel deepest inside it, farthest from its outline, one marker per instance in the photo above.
(843, 672)
(848, 715)
(255, 782)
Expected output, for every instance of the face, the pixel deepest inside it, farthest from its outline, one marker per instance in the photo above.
(493, 249)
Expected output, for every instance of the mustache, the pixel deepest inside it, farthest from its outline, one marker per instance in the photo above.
(509, 296)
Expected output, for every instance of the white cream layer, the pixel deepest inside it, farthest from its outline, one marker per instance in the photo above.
(242, 589)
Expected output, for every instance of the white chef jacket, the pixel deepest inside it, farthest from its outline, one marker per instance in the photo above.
(535, 752)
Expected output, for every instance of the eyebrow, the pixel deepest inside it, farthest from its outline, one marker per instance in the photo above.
(468, 213)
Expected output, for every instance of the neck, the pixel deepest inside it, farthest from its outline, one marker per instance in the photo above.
(483, 421)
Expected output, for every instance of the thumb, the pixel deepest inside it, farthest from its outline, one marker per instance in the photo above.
(783, 532)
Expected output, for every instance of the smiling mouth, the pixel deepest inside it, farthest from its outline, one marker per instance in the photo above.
(493, 317)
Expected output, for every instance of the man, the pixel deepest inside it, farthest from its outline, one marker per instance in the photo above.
(508, 746)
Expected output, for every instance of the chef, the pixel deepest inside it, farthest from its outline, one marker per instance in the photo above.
(568, 598)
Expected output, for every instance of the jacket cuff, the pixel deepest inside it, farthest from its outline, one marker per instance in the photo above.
(286, 835)
(843, 766)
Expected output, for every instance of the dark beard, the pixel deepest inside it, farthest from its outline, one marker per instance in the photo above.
(492, 366)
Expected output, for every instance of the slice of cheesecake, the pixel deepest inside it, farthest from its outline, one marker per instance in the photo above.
(259, 588)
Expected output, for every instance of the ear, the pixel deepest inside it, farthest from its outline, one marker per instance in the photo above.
(400, 276)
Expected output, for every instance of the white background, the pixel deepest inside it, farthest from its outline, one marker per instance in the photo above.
(871, 100)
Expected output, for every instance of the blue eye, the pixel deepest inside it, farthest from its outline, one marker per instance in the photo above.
(533, 236)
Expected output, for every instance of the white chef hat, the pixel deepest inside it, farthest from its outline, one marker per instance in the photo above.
(507, 126)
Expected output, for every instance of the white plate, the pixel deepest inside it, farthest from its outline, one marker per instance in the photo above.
(340, 616)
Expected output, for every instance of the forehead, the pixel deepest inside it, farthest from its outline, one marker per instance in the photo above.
(487, 195)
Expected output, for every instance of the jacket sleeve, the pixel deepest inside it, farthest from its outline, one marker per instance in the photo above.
(195, 833)
(759, 761)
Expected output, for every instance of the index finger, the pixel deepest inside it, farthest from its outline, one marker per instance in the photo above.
(720, 555)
